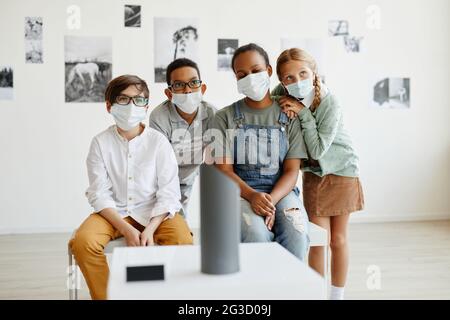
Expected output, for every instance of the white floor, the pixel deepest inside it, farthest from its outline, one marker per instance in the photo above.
(413, 258)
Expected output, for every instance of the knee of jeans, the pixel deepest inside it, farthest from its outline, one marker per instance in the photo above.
(297, 219)
(177, 235)
(84, 242)
(180, 238)
(254, 230)
(297, 243)
(253, 234)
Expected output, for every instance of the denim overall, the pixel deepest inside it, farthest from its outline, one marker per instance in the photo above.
(291, 221)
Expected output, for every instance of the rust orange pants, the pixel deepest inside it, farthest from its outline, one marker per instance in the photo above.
(95, 232)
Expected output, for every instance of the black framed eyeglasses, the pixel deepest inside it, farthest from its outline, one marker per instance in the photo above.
(138, 100)
(180, 85)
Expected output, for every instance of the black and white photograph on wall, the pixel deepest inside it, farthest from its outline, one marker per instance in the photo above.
(174, 38)
(33, 40)
(391, 93)
(314, 46)
(88, 68)
(6, 83)
(337, 28)
(132, 16)
(225, 51)
(352, 43)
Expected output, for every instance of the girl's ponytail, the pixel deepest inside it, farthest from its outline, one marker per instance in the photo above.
(317, 88)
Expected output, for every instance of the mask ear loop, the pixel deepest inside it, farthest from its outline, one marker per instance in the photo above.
(286, 92)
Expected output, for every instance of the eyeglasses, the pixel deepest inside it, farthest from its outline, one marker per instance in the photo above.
(180, 85)
(138, 100)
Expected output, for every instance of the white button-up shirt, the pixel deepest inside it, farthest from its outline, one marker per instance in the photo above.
(138, 178)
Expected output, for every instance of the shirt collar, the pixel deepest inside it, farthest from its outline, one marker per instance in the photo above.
(124, 140)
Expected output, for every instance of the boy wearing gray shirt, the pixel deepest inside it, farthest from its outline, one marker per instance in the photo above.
(183, 119)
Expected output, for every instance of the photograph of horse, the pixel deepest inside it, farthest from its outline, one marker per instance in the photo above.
(88, 68)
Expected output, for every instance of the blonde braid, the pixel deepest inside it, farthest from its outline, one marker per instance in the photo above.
(317, 89)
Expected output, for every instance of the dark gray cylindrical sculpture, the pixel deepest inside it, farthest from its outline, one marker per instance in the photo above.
(220, 229)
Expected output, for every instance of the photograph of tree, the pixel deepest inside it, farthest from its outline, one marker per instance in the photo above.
(174, 38)
(6, 83)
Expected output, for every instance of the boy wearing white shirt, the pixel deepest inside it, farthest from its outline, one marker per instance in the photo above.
(133, 185)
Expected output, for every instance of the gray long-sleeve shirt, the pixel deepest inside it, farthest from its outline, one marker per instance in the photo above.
(186, 140)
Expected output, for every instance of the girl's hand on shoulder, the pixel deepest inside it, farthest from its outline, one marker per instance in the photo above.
(290, 106)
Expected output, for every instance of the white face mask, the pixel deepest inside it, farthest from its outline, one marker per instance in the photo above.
(255, 85)
(187, 102)
(129, 116)
(300, 89)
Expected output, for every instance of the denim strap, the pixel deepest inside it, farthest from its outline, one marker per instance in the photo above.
(283, 119)
(238, 115)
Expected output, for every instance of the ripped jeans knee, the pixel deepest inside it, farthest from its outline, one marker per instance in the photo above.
(297, 219)
(253, 228)
(291, 225)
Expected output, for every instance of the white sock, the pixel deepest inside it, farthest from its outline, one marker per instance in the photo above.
(337, 293)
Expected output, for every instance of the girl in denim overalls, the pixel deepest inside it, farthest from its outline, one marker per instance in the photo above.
(263, 156)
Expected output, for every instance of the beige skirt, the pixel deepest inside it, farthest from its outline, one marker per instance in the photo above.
(331, 195)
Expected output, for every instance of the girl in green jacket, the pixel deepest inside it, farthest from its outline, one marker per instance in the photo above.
(331, 185)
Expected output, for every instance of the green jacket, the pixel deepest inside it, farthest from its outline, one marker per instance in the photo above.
(326, 139)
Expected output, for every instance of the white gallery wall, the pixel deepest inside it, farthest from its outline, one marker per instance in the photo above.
(404, 153)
